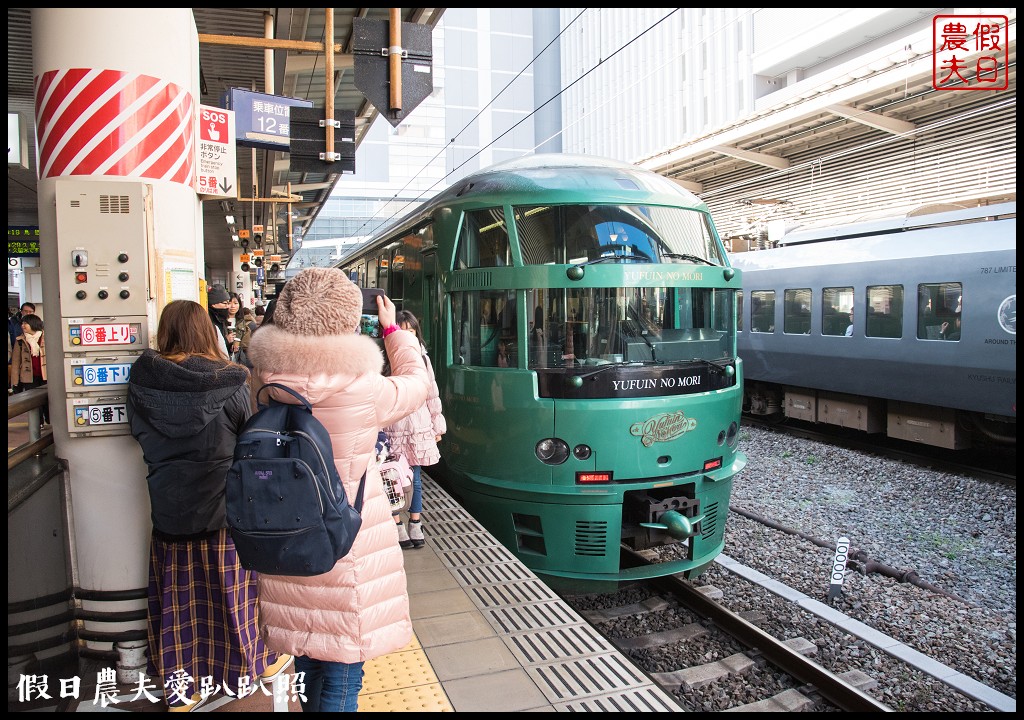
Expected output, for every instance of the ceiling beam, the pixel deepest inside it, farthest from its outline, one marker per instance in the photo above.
(693, 187)
(265, 43)
(757, 158)
(872, 119)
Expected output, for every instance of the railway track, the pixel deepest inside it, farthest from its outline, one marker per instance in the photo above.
(712, 659)
(995, 465)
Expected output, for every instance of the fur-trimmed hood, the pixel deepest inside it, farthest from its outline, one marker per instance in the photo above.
(276, 350)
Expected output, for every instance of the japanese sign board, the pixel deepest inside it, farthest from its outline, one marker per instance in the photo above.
(263, 120)
(216, 164)
(971, 52)
(22, 241)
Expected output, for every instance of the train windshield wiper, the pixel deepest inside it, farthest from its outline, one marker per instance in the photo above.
(687, 256)
(607, 258)
(710, 364)
(609, 366)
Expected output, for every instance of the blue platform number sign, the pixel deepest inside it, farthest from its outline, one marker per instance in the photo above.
(22, 241)
(261, 120)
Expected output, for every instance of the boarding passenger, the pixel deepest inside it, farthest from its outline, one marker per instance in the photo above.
(359, 610)
(218, 300)
(186, 406)
(28, 359)
(415, 437)
(236, 322)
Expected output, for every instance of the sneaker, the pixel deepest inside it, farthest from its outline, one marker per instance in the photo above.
(274, 671)
(403, 536)
(197, 702)
(416, 533)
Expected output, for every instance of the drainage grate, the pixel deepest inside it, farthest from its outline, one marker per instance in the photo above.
(557, 644)
(476, 557)
(585, 677)
(500, 573)
(531, 617)
(464, 541)
(650, 699)
(490, 596)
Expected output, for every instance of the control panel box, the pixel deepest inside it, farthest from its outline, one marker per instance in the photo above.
(98, 415)
(97, 373)
(104, 334)
(102, 247)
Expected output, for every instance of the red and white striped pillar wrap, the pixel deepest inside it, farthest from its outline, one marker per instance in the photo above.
(117, 93)
(114, 123)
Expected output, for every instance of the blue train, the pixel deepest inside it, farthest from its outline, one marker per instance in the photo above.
(580, 316)
(904, 326)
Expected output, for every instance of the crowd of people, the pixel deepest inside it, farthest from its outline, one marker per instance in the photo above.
(188, 400)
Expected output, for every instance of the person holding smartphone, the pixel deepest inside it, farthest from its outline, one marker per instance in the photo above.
(218, 302)
(236, 323)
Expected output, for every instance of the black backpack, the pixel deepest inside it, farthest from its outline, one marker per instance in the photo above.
(286, 507)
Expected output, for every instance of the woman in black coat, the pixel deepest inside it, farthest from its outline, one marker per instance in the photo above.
(186, 406)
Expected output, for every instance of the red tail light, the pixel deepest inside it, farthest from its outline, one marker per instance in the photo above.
(589, 478)
(712, 464)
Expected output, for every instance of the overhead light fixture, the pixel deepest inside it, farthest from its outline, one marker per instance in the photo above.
(230, 219)
(234, 237)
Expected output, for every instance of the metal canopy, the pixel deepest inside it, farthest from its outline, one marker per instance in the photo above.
(296, 73)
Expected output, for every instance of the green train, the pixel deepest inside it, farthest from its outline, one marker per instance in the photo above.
(580, 314)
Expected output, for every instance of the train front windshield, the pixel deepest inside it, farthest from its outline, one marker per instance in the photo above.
(590, 233)
(593, 326)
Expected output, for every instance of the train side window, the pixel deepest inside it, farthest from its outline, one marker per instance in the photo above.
(937, 303)
(739, 311)
(762, 311)
(796, 307)
(483, 240)
(836, 310)
(884, 311)
(484, 328)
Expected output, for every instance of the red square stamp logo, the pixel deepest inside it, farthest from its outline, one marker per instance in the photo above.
(970, 52)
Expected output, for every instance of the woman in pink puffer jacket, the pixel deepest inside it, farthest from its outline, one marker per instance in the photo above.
(333, 623)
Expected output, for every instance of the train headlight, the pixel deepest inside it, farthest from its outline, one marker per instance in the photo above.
(721, 438)
(552, 451)
(733, 435)
(581, 452)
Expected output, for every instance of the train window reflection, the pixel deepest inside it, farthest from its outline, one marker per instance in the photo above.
(739, 311)
(938, 307)
(484, 331)
(578, 233)
(836, 310)
(884, 309)
(483, 240)
(762, 311)
(796, 306)
(593, 326)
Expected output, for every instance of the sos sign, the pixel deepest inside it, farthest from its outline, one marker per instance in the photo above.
(213, 124)
(216, 166)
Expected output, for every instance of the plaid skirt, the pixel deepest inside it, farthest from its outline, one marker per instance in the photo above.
(202, 616)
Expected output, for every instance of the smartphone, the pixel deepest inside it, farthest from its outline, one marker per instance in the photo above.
(369, 322)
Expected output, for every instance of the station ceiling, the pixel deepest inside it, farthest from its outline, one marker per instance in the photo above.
(226, 63)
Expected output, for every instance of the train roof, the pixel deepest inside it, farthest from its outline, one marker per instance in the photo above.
(554, 173)
(913, 242)
(559, 178)
(916, 218)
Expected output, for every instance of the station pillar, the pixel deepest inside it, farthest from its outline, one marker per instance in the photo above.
(117, 93)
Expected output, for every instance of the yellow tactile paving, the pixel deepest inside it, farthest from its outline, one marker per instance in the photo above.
(423, 698)
(402, 682)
